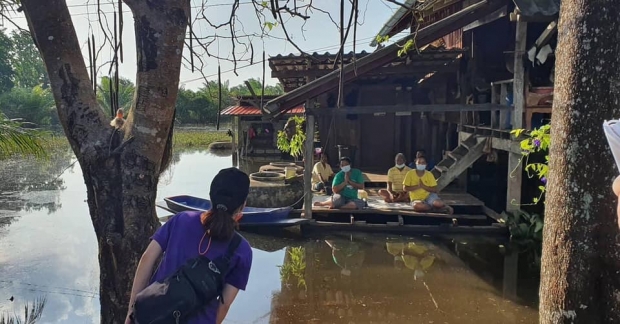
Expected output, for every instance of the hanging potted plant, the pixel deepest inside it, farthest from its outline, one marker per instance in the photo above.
(292, 138)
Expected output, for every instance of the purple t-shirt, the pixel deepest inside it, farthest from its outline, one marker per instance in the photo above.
(179, 238)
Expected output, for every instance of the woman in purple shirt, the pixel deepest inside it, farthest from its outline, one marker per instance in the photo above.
(189, 234)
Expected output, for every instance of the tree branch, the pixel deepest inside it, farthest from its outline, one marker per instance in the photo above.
(78, 111)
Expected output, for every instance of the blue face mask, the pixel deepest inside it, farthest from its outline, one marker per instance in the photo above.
(346, 168)
(420, 167)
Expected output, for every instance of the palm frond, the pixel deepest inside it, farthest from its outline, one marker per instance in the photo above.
(15, 139)
(32, 313)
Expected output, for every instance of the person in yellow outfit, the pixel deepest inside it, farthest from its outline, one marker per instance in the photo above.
(422, 188)
(394, 191)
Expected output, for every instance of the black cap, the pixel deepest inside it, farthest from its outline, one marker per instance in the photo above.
(229, 189)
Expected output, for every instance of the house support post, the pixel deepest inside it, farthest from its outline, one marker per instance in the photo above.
(308, 164)
(515, 173)
(519, 76)
(511, 265)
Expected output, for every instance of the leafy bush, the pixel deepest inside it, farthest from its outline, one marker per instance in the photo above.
(536, 141)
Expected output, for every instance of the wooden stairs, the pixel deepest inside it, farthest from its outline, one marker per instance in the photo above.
(458, 160)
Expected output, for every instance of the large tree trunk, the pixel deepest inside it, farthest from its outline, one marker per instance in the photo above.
(121, 179)
(581, 256)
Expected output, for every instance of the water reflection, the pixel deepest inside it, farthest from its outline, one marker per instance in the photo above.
(31, 184)
(52, 251)
(394, 280)
(336, 279)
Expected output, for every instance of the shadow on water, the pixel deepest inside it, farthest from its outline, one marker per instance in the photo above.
(342, 278)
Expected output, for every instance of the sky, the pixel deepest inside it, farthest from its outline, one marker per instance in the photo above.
(318, 34)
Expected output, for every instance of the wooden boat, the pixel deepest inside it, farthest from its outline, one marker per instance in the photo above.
(251, 215)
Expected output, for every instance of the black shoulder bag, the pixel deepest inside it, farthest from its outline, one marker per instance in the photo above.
(191, 288)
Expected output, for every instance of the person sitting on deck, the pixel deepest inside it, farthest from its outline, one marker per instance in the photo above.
(345, 186)
(422, 153)
(422, 188)
(395, 177)
(321, 175)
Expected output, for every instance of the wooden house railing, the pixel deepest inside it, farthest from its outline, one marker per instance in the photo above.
(537, 101)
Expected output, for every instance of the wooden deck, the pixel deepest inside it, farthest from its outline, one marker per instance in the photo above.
(467, 209)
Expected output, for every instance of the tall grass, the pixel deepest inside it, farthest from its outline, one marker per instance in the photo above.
(181, 139)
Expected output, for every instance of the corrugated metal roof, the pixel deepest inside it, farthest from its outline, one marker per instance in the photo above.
(395, 19)
(315, 55)
(254, 111)
(538, 7)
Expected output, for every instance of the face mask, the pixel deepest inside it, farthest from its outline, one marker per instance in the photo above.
(421, 167)
(400, 166)
(346, 168)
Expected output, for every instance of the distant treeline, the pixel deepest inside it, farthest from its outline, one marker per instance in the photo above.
(25, 91)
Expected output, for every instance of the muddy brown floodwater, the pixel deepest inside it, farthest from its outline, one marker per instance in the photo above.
(48, 249)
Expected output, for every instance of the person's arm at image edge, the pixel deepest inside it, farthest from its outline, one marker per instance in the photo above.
(229, 294)
(236, 280)
(144, 271)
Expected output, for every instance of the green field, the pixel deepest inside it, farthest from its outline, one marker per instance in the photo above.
(182, 138)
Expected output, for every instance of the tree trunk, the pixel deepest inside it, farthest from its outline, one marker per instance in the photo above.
(121, 178)
(580, 259)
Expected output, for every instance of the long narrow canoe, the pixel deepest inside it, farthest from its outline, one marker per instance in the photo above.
(251, 215)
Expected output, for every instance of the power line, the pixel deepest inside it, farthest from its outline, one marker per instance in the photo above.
(261, 61)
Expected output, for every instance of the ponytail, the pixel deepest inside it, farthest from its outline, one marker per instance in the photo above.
(219, 224)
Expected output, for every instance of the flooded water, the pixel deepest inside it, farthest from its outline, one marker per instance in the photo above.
(48, 249)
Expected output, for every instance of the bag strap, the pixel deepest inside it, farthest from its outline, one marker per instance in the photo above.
(232, 247)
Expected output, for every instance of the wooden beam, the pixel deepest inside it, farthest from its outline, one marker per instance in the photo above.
(515, 178)
(308, 165)
(247, 84)
(547, 34)
(404, 109)
(518, 89)
(502, 12)
(516, 17)
(383, 56)
(420, 68)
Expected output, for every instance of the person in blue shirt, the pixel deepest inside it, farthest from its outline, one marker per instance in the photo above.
(345, 186)
(429, 162)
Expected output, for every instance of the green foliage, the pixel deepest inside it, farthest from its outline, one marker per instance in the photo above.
(270, 25)
(32, 314)
(257, 86)
(526, 232)
(24, 88)
(6, 69)
(292, 143)
(295, 266)
(35, 105)
(126, 90)
(404, 50)
(382, 39)
(14, 139)
(538, 140)
(27, 62)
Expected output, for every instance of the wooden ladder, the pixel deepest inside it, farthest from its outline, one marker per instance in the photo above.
(458, 160)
